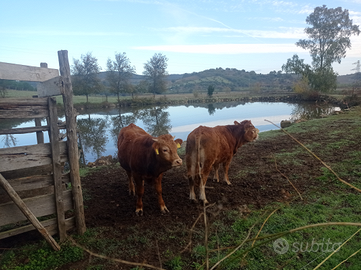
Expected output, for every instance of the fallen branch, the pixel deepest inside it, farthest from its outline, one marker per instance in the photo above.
(319, 265)
(264, 224)
(113, 259)
(238, 247)
(287, 179)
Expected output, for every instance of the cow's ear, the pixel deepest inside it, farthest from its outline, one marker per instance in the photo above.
(236, 123)
(156, 146)
(178, 142)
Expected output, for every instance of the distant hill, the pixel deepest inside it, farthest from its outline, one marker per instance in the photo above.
(223, 80)
(231, 79)
(346, 80)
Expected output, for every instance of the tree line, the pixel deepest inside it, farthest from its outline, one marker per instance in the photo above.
(85, 79)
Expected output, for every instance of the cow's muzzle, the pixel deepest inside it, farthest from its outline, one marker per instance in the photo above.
(177, 162)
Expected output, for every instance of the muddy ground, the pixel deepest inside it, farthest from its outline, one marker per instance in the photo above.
(257, 181)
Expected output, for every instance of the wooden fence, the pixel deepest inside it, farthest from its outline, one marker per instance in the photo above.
(34, 185)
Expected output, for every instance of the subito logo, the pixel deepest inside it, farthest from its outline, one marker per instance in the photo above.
(281, 246)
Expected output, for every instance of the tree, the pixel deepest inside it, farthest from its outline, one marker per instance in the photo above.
(119, 73)
(2, 89)
(329, 38)
(85, 78)
(356, 86)
(155, 71)
(210, 90)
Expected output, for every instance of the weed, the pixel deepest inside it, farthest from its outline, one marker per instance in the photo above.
(175, 264)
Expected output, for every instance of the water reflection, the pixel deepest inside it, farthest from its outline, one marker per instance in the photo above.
(93, 135)
(119, 121)
(211, 109)
(307, 111)
(156, 121)
(99, 130)
(9, 140)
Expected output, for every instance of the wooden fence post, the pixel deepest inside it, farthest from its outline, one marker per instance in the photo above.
(70, 116)
(55, 156)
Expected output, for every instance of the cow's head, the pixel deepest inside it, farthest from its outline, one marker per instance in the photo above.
(250, 132)
(166, 148)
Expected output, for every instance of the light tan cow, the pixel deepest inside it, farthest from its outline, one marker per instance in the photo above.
(209, 147)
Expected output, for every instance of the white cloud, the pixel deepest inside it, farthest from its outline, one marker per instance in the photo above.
(224, 48)
(293, 33)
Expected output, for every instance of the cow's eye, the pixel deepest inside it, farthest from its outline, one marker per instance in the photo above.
(165, 150)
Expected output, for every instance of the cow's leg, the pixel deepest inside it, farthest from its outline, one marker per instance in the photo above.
(139, 184)
(158, 188)
(192, 194)
(131, 184)
(226, 168)
(202, 184)
(191, 174)
(216, 176)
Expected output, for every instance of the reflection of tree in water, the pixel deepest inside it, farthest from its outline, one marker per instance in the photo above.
(93, 135)
(157, 121)
(310, 111)
(9, 140)
(120, 121)
(211, 109)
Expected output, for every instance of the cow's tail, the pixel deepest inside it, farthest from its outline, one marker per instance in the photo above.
(199, 161)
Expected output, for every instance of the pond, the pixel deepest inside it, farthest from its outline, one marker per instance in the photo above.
(99, 129)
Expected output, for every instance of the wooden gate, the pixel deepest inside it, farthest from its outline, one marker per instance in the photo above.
(33, 183)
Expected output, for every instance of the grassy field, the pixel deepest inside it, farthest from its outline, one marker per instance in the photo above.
(287, 237)
(175, 97)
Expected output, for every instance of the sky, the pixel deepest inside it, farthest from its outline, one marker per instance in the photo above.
(195, 35)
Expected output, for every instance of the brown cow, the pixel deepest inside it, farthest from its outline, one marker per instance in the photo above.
(209, 147)
(144, 157)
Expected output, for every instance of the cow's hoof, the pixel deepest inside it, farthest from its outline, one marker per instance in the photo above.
(139, 212)
(205, 202)
(164, 210)
(194, 201)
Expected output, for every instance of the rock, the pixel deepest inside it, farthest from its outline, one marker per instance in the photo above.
(102, 161)
(285, 123)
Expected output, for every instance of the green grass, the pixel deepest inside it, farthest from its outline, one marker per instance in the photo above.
(290, 158)
(20, 94)
(40, 256)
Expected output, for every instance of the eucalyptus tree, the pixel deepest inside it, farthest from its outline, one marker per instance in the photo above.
(119, 74)
(155, 71)
(328, 40)
(85, 79)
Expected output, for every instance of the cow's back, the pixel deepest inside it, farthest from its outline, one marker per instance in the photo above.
(208, 144)
(131, 140)
(205, 147)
